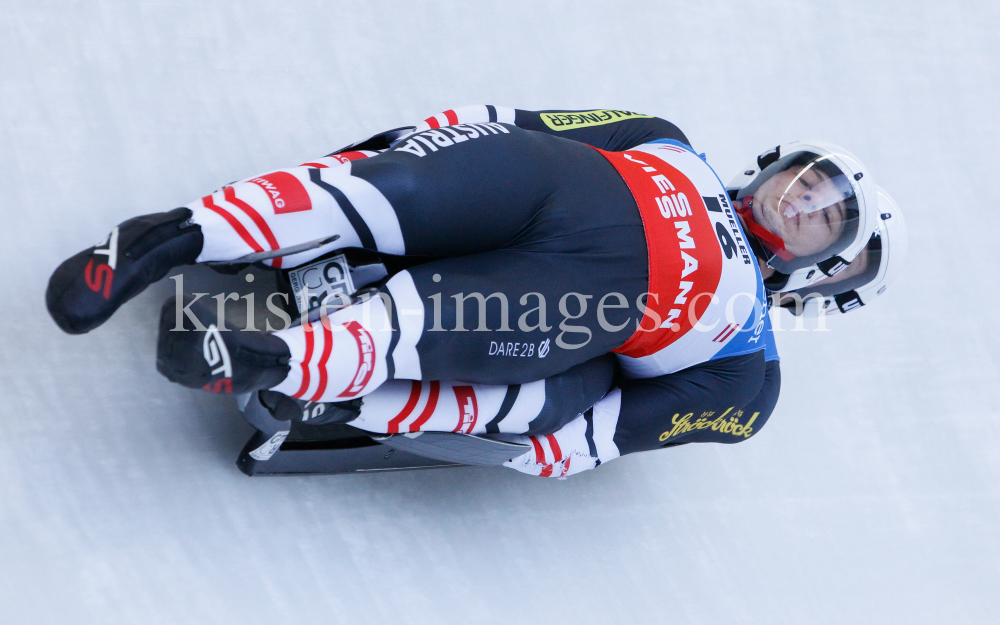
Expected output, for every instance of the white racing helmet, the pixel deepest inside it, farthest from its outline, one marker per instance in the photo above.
(867, 277)
(810, 208)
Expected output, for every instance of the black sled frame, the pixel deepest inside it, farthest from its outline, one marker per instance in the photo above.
(294, 447)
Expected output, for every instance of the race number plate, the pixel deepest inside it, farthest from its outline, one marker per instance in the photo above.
(327, 280)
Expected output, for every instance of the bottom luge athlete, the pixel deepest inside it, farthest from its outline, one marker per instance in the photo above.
(661, 276)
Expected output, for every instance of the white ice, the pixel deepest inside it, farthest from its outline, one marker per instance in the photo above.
(872, 496)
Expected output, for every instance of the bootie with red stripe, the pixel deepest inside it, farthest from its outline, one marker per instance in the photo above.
(88, 288)
(195, 352)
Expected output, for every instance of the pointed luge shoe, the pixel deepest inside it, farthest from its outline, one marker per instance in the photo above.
(220, 361)
(88, 288)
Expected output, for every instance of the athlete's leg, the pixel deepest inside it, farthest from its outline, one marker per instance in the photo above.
(562, 292)
(508, 316)
(501, 317)
(444, 192)
(536, 408)
(440, 193)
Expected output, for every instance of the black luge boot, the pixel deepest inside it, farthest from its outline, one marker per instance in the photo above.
(88, 288)
(219, 361)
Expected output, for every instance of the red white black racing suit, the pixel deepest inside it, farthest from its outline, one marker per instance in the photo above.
(547, 241)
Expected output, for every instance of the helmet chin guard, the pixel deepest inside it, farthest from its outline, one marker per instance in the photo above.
(868, 277)
(811, 208)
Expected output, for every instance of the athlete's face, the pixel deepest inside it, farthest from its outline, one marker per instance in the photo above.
(778, 207)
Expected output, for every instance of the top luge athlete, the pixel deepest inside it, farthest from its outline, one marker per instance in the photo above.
(569, 236)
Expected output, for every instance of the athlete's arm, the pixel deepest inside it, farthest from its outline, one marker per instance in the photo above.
(724, 401)
(606, 129)
(722, 415)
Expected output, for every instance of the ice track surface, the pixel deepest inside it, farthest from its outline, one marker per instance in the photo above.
(872, 496)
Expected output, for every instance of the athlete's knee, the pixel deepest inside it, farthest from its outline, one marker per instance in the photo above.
(570, 393)
(393, 174)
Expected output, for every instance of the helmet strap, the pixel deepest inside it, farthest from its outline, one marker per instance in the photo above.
(848, 301)
(833, 265)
